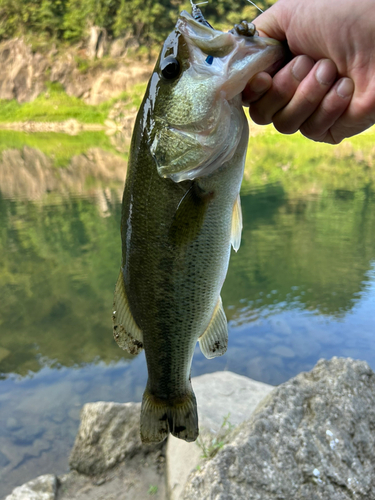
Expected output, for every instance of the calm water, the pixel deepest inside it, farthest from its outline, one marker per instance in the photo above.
(301, 287)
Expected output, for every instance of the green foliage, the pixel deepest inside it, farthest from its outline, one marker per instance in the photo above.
(152, 490)
(223, 14)
(211, 445)
(147, 21)
(57, 293)
(19, 17)
(80, 14)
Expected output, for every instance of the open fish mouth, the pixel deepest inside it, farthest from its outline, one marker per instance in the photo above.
(201, 127)
(233, 57)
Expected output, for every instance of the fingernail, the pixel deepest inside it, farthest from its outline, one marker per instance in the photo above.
(326, 72)
(345, 88)
(302, 67)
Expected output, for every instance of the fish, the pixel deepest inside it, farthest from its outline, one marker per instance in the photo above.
(181, 212)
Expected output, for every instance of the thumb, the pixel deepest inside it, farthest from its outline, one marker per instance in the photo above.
(271, 22)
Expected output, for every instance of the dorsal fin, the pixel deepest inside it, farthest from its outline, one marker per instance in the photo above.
(126, 332)
(214, 341)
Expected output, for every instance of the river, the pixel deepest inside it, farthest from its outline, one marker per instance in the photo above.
(301, 287)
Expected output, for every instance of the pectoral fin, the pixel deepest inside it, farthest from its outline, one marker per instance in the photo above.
(235, 237)
(125, 330)
(214, 341)
(190, 214)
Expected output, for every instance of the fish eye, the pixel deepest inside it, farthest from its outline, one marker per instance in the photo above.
(170, 68)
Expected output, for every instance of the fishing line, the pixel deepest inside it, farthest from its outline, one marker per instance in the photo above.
(254, 6)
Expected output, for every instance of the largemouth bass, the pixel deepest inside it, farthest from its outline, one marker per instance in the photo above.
(181, 212)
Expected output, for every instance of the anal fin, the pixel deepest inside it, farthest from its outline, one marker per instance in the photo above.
(214, 341)
(126, 332)
(235, 237)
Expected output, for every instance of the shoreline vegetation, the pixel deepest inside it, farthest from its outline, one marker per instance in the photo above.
(291, 161)
(76, 107)
(144, 23)
(56, 106)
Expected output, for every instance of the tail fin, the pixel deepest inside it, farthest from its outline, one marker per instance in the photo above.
(159, 418)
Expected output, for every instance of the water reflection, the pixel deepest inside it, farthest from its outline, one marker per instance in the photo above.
(312, 253)
(301, 287)
(60, 258)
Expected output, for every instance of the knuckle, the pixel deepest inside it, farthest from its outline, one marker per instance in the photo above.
(311, 131)
(284, 125)
(259, 116)
(309, 97)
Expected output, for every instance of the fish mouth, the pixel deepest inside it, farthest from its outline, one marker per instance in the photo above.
(231, 57)
(207, 39)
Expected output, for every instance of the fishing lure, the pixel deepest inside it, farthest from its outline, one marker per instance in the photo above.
(197, 14)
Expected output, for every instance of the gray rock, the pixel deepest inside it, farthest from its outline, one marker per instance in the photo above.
(312, 438)
(22, 72)
(117, 48)
(224, 394)
(102, 47)
(97, 43)
(108, 434)
(92, 44)
(219, 395)
(41, 488)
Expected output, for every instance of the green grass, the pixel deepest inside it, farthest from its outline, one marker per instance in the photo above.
(152, 490)
(293, 161)
(56, 105)
(60, 147)
(299, 164)
(210, 445)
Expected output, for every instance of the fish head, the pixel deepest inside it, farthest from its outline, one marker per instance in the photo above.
(193, 113)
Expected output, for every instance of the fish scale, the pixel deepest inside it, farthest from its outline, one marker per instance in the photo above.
(181, 213)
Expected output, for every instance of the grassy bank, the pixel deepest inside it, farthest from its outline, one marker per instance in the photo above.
(304, 166)
(55, 105)
(293, 162)
(60, 147)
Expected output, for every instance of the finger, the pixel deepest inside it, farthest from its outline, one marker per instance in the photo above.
(307, 97)
(284, 85)
(271, 23)
(332, 106)
(356, 118)
(256, 87)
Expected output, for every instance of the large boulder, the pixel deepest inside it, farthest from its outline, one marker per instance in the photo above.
(312, 438)
(41, 488)
(108, 434)
(109, 459)
(224, 400)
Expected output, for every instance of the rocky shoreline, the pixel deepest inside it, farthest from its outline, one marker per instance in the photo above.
(25, 73)
(312, 437)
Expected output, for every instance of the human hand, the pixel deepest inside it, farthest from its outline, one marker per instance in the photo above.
(326, 100)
